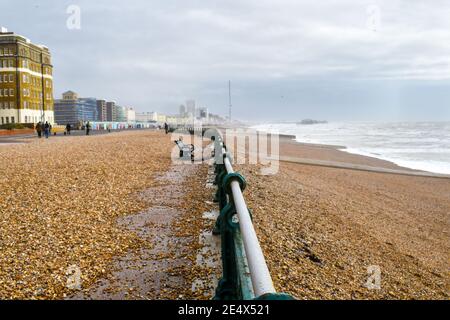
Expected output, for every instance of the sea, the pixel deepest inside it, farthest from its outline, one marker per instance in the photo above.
(416, 145)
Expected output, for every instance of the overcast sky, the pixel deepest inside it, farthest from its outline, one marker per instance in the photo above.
(287, 59)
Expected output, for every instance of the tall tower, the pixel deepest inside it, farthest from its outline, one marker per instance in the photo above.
(229, 99)
(26, 81)
(190, 107)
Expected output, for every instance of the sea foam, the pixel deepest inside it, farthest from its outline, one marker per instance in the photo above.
(416, 145)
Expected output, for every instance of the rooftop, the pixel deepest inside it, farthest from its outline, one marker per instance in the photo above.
(5, 33)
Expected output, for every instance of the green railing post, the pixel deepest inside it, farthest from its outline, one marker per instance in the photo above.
(228, 288)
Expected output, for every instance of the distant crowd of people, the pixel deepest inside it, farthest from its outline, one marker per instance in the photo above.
(45, 129)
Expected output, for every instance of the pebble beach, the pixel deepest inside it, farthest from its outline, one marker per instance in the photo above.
(80, 202)
(60, 200)
(324, 229)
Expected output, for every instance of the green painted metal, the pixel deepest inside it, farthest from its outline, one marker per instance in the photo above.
(228, 288)
(226, 182)
(236, 283)
(243, 272)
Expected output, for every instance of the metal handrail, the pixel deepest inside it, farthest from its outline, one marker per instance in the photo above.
(242, 255)
(259, 272)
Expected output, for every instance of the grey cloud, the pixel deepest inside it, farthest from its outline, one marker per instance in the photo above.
(305, 58)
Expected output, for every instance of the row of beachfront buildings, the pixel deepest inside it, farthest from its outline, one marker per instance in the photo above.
(26, 94)
(72, 109)
(26, 89)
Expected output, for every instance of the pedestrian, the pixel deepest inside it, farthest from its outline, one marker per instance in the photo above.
(88, 128)
(39, 129)
(46, 129)
(166, 127)
(68, 128)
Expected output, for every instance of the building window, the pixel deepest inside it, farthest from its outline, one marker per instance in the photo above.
(11, 63)
(7, 120)
(11, 92)
(13, 120)
(3, 121)
(11, 78)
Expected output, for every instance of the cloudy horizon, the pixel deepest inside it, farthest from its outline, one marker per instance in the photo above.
(287, 60)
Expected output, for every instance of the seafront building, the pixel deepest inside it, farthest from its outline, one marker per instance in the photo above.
(111, 111)
(74, 110)
(101, 111)
(105, 114)
(131, 114)
(121, 114)
(147, 117)
(26, 81)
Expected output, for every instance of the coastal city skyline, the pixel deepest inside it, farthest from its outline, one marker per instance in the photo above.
(27, 95)
(368, 61)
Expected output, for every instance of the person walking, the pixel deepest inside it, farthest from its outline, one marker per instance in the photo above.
(39, 129)
(46, 129)
(166, 127)
(88, 128)
(68, 128)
